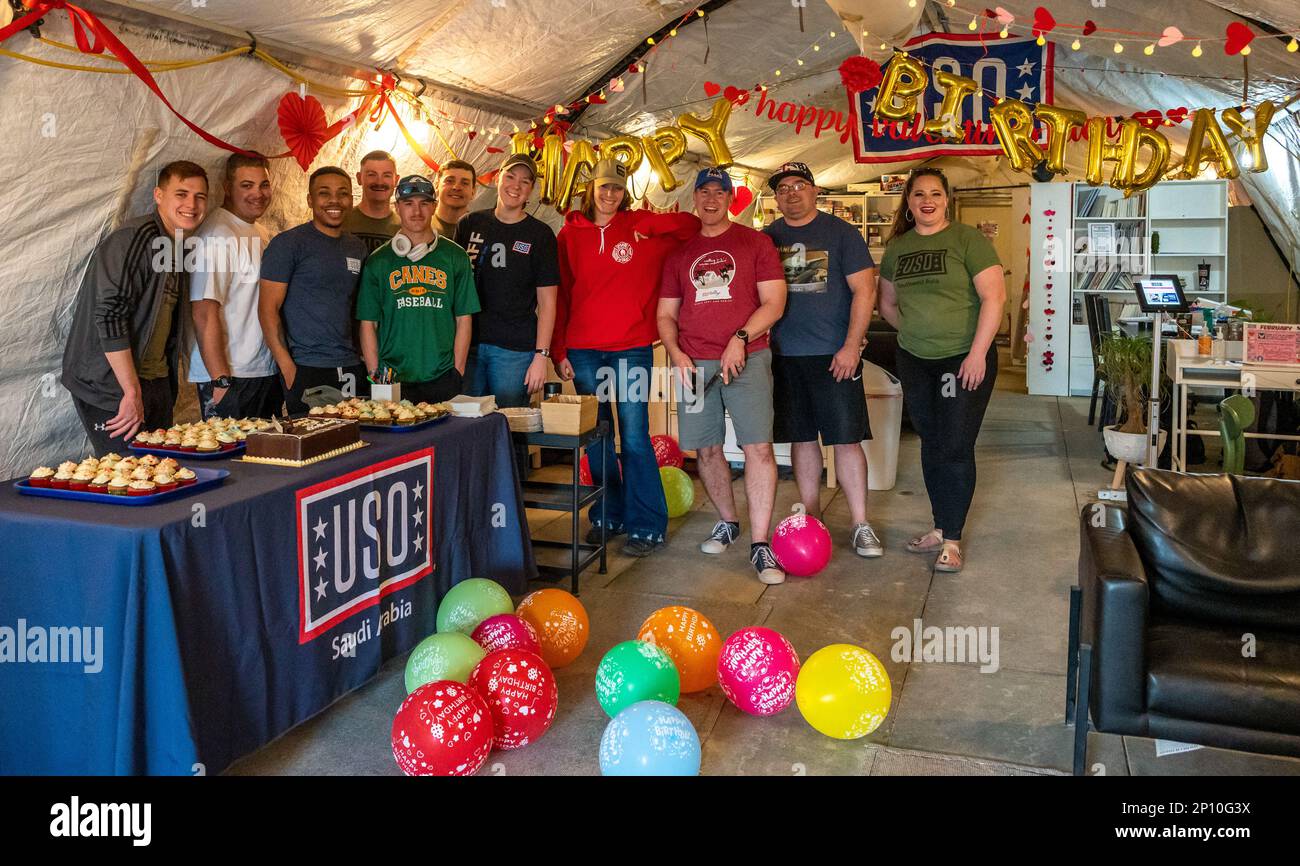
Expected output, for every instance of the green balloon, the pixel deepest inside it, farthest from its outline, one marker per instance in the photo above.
(443, 656)
(679, 490)
(470, 602)
(636, 670)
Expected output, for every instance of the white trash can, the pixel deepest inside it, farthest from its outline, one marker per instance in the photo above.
(885, 410)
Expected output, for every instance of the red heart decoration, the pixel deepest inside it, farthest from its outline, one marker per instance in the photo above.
(597, 99)
(1049, 311)
(1089, 28)
(472, 133)
(711, 89)
(736, 96)
(1025, 219)
(742, 199)
(494, 150)
(1239, 36)
(1049, 213)
(1177, 115)
(1043, 21)
(1149, 119)
(303, 125)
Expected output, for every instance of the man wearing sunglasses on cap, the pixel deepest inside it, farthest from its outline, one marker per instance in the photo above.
(417, 301)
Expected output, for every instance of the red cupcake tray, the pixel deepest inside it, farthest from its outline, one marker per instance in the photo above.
(205, 479)
(163, 451)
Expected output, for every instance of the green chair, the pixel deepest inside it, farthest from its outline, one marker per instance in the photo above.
(1236, 413)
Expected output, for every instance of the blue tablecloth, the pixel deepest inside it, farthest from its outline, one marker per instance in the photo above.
(224, 618)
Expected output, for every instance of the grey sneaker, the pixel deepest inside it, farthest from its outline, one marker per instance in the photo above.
(722, 537)
(866, 542)
(593, 535)
(641, 547)
(764, 562)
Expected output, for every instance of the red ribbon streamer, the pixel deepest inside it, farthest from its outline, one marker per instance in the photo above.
(86, 25)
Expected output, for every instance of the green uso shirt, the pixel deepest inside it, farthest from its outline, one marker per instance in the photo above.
(415, 305)
(934, 279)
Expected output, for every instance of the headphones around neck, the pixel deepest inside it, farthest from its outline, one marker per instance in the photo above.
(414, 252)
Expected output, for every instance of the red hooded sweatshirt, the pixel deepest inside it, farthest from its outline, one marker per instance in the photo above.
(609, 278)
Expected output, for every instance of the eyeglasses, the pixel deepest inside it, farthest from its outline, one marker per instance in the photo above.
(788, 188)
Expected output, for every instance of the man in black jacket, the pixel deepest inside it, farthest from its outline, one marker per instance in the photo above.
(120, 361)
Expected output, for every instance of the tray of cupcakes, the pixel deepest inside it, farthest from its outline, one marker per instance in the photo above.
(116, 480)
(214, 439)
(400, 416)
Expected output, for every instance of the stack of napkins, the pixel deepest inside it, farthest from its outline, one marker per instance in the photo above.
(464, 406)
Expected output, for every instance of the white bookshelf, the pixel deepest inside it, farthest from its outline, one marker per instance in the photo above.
(871, 213)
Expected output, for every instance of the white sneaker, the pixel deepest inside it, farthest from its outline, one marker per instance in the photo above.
(764, 562)
(866, 542)
(722, 536)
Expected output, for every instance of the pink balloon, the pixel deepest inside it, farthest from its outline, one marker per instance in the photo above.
(757, 671)
(802, 545)
(667, 451)
(507, 631)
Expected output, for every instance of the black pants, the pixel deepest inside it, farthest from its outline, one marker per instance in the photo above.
(947, 417)
(158, 400)
(255, 397)
(351, 381)
(436, 390)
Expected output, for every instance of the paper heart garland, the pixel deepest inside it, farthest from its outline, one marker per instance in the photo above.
(303, 125)
(1239, 36)
(1177, 115)
(712, 89)
(736, 96)
(1004, 17)
(1025, 219)
(1043, 21)
(1170, 36)
(1089, 28)
(744, 197)
(616, 85)
(1149, 119)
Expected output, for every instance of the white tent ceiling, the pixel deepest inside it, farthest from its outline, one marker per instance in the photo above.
(80, 149)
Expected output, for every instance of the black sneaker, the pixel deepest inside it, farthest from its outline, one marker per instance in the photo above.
(593, 535)
(722, 536)
(641, 547)
(764, 562)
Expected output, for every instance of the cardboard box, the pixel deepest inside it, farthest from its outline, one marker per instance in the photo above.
(387, 392)
(569, 414)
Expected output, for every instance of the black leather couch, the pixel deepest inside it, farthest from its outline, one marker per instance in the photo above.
(1185, 624)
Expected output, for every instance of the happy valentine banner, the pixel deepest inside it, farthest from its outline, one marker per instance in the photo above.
(1009, 68)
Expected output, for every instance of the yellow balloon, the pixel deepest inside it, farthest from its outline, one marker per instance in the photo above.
(551, 173)
(1133, 139)
(843, 691)
(627, 149)
(663, 148)
(1206, 131)
(521, 142)
(1014, 124)
(955, 89)
(1252, 133)
(1059, 122)
(905, 80)
(581, 156)
(1099, 150)
(713, 131)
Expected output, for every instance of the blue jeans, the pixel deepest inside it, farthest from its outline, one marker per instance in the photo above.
(635, 502)
(494, 370)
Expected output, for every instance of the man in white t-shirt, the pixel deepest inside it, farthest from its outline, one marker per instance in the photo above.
(229, 360)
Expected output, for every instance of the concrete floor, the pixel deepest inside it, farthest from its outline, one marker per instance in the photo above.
(1039, 463)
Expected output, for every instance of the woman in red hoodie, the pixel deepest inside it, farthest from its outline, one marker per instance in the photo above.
(610, 264)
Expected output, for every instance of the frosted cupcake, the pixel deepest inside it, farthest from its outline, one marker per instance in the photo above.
(62, 479)
(165, 482)
(81, 479)
(41, 476)
(150, 460)
(208, 446)
(226, 441)
(99, 484)
(141, 488)
(68, 466)
(119, 485)
(185, 476)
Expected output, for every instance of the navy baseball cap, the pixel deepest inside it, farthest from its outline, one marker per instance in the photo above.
(714, 175)
(414, 186)
(790, 169)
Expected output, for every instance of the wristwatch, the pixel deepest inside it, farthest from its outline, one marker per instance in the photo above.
(221, 382)
(545, 353)
(743, 335)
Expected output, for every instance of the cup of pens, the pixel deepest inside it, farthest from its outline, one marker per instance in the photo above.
(383, 384)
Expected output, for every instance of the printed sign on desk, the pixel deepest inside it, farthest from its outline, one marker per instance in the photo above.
(1272, 344)
(362, 536)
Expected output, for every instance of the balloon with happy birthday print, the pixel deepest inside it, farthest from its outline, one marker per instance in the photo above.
(843, 691)
(443, 728)
(520, 692)
(561, 623)
(757, 671)
(506, 631)
(690, 639)
(802, 544)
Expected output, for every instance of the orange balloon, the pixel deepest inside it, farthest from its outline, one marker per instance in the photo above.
(690, 639)
(561, 624)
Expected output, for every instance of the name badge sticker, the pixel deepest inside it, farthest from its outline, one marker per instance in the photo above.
(522, 247)
(354, 265)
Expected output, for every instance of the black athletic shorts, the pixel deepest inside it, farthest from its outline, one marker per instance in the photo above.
(808, 401)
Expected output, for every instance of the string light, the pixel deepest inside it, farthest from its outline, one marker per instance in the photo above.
(911, 4)
(1003, 32)
(1196, 52)
(649, 40)
(699, 12)
(832, 34)
(1119, 47)
(799, 61)
(1040, 40)
(952, 2)
(1293, 46)
(1074, 46)
(778, 73)
(1149, 50)
(974, 24)
(817, 48)
(672, 32)
(1245, 51)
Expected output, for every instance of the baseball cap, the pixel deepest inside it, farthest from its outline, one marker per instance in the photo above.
(790, 169)
(520, 159)
(714, 175)
(414, 186)
(609, 171)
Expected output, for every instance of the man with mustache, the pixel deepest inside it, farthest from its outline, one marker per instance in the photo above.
(120, 361)
(457, 183)
(229, 360)
(373, 220)
(308, 291)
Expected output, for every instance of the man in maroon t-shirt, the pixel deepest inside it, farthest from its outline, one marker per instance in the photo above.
(722, 291)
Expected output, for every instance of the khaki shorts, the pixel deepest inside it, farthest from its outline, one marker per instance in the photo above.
(747, 399)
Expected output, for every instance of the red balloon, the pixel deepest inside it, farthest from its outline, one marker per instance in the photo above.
(521, 695)
(507, 631)
(584, 471)
(667, 451)
(443, 728)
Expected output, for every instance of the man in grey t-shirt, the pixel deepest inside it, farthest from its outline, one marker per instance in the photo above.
(308, 292)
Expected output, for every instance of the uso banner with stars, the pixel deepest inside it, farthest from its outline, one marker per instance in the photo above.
(1014, 68)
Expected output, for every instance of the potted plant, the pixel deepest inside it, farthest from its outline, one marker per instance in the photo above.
(1126, 364)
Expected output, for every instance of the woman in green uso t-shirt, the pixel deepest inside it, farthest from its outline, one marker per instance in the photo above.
(941, 286)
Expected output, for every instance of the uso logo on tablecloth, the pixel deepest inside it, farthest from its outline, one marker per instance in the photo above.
(362, 536)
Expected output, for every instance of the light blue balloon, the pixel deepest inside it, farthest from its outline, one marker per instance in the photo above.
(650, 738)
